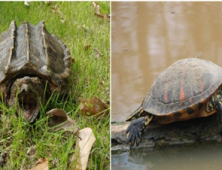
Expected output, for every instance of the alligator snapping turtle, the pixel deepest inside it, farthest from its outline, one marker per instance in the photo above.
(33, 65)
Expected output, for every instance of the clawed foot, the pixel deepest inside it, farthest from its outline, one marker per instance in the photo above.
(134, 131)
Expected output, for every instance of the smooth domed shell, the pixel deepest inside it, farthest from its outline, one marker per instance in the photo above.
(185, 83)
(30, 50)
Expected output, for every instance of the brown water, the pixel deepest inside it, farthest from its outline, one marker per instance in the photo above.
(147, 37)
(204, 157)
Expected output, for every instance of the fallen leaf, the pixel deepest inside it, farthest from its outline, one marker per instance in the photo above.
(41, 164)
(84, 144)
(59, 117)
(96, 6)
(97, 12)
(48, 3)
(3, 157)
(32, 151)
(59, 13)
(87, 47)
(55, 162)
(93, 106)
(26, 3)
(72, 60)
(62, 21)
(55, 7)
(102, 82)
(98, 53)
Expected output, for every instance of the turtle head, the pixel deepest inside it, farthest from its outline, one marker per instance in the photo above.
(26, 94)
(218, 106)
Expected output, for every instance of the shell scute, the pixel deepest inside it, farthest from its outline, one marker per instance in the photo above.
(186, 83)
(27, 49)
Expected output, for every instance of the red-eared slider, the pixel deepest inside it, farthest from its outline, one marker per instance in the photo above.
(33, 64)
(190, 88)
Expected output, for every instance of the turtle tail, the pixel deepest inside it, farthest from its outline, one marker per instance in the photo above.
(136, 114)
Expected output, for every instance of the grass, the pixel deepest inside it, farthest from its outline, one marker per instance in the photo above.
(75, 24)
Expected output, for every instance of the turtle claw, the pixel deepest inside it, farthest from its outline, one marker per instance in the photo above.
(134, 131)
(133, 140)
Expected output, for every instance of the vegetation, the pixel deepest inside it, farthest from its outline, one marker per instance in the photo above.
(87, 36)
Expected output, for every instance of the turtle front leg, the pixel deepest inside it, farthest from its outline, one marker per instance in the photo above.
(134, 131)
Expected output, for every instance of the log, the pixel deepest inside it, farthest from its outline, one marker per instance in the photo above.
(194, 131)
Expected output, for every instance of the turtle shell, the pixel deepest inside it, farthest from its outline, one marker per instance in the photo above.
(30, 50)
(183, 85)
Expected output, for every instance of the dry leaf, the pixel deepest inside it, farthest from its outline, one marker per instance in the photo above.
(48, 3)
(32, 151)
(97, 13)
(55, 7)
(72, 60)
(87, 47)
(26, 3)
(96, 6)
(62, 21)
(59, 13)
(59, 116)
(41, 164)
(93, 106)
(84, 144)
(3, 157)
(97, 52)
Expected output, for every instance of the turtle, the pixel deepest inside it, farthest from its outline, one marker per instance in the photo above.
(190, 88)
(33, 65)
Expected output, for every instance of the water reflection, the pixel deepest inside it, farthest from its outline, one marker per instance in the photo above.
(147, 37)
(120, 162)
(204, 157)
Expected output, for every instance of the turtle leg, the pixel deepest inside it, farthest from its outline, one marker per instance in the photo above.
(134, 131)
(136, 114)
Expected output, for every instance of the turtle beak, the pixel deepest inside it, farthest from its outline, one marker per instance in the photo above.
(26, 94)
(28, 102)
(25, 88)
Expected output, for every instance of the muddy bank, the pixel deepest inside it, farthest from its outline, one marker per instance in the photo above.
(201, 130)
